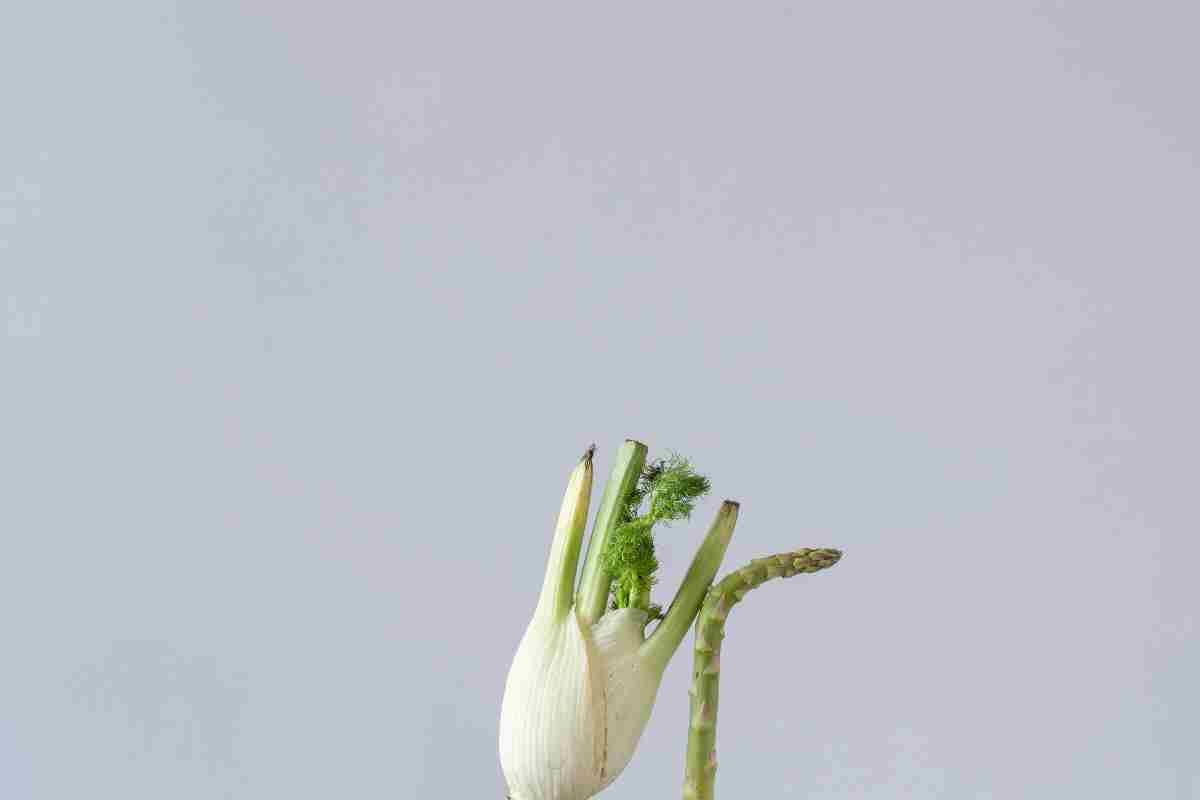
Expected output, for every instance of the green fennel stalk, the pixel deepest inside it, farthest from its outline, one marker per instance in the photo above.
(594, 582)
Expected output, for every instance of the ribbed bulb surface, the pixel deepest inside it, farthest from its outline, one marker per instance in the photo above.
(575, 704)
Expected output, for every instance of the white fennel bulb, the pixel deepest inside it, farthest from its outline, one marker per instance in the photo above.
(580, 693)
(575, 704)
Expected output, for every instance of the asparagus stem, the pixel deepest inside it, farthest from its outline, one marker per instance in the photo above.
(701, 765)
(669, 634)
(594, 582)
(558, 587)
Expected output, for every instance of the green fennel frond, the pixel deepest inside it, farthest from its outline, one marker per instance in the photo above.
(675, 489)
(669, 488)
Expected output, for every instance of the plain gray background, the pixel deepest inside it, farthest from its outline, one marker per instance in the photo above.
(312, 307)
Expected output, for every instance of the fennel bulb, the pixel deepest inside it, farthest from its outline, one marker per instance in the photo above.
(582, 684)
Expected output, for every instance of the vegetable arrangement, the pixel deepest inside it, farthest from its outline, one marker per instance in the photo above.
(585, 676)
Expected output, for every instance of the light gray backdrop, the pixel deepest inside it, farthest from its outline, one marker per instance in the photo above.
(312, 306)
